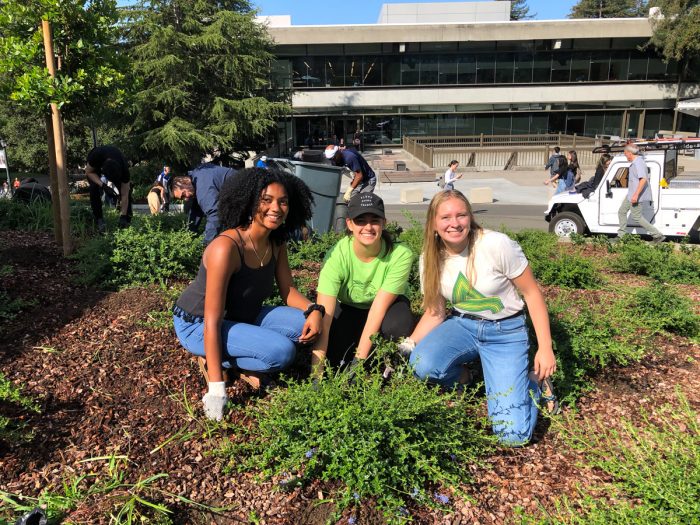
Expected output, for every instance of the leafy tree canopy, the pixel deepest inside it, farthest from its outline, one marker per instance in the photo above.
(677, 31)
(519, 10)
(84, 36)
(200, 69)
(609, 9)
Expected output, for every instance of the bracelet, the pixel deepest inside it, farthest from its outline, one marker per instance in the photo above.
(315, 307)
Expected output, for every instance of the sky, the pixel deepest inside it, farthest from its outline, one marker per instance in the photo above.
(315, 12)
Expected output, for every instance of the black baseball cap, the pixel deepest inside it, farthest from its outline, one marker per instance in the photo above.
(361, 203)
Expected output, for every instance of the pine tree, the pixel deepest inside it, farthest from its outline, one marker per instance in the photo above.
(200, 70)
(519, 10)
(608, 9)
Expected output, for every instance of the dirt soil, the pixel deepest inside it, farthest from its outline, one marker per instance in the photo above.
(111, 378)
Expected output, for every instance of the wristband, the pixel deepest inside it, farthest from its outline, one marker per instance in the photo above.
(317, 307)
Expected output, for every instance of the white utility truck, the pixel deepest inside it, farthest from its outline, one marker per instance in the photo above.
(676, 196)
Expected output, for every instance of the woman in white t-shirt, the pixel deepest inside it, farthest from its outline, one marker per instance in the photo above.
(451, 175)
(480, 272)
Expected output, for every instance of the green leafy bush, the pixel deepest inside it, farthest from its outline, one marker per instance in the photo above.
(568, 271)
(155, 249)
(392, 440)
(660, 308)
(313, 249)
(38, 217)
(662, 263)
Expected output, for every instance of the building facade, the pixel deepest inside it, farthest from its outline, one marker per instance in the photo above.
(589, 77)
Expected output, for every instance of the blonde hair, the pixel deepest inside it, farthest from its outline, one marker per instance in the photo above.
(435, 252)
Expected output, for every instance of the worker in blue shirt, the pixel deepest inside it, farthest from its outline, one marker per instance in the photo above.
(207, 180)
(364, 179)
(262, 162)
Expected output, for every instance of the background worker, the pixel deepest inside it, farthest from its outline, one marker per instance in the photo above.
(207, 180)
(109, 162)
(364, 179)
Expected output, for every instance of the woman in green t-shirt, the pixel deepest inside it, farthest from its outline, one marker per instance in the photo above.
(363, 286)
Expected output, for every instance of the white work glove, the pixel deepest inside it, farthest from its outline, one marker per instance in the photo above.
(348, 194)
(406, 346)
(215, 400)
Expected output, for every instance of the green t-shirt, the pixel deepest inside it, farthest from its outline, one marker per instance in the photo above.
(356, 283)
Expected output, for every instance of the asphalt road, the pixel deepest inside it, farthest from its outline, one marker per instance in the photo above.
(514, 217)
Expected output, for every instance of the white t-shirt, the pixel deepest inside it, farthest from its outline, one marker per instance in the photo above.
(450, 176)
(498, 260)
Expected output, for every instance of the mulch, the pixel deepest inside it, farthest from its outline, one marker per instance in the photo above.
(111, 382)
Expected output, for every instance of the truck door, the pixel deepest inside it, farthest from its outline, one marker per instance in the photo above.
(610, 201)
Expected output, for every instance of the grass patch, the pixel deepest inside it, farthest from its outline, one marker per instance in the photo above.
(393, 440)
(13, 400)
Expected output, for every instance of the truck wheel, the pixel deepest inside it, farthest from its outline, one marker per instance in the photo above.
(565, 223)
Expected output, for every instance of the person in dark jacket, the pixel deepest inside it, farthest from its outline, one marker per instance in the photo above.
(207, 180)
(109, 162)
(364, 179)
(589, 186)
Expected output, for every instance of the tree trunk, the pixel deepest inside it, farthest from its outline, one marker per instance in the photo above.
(53, 178)
(59, 147)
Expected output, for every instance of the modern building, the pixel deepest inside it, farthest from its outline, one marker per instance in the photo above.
(475, 72)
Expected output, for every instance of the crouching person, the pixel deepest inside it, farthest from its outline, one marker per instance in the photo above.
(480, 272)
(221, 316)
(362, 287)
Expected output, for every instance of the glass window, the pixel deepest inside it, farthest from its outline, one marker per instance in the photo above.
(281, 73)
(638, 66)
(335, 71)
(619, 63)
(595, 123)
(613, 120)
(411, 125)
(380, 129)
(353, 71)
(429, 69)
(666, 120)
(485, 69)
(307, 71)
(600, 66)
(504, 68)
(464, 125)
(392, 71)
(372, 71)
(580, 64)
(651, 123)
(446, 125)
(656, 69)
(522, 68)
(449, 69)
(483, 124)
(542, 67)
(539, 123)
(689, 123)
(410, 70)
(561, 65)
(501, 124)
(520, 124)
(557, 122)
(467, 70)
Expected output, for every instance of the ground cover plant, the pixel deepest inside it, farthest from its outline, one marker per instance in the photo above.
(111, 380)
(663, 263)
(381, 436)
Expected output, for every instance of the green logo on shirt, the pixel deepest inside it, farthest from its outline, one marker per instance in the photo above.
(467, 298)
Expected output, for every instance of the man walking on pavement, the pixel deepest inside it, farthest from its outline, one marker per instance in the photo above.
(207, 180)
(364, 179)
(638, 196)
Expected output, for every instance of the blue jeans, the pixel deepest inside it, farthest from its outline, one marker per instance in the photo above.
(266, 346)
(503, 349)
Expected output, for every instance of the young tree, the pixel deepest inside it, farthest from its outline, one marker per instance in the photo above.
(200, 69)
(519, 10)
(608, 9)
(677, 36)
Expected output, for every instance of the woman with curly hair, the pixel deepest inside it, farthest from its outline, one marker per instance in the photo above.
(482, 274)
(221, 316)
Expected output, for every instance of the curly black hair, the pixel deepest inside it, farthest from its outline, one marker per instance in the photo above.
(239, 199)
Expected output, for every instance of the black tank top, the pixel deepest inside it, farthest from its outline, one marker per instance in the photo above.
(247, 289)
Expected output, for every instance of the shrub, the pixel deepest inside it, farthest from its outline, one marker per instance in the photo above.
(568, 271)
(662, 263)
(660, 308)
(37, 216)
(390, 439)
(313, 249)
